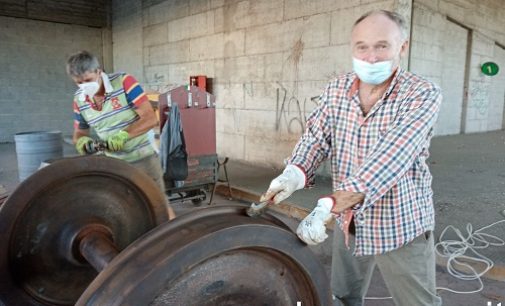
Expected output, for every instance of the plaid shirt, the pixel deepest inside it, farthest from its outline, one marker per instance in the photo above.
(382, 155)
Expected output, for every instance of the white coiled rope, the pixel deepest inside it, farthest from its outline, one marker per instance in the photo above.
(456, 251)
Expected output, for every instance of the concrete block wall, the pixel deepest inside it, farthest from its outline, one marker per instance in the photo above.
(438, 40)
(438, 52)
(127, 37)
(496, 118)
(35, 92)
(479, 85)
(268, 59)
(94, 13)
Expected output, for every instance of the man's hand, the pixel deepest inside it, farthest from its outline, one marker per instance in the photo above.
(346, 199)
(291, 179)
(84, 145)
(116, 142)
(312, 229)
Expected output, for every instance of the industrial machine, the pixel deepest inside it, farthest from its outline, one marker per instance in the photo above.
(93, 231)
(198, 121)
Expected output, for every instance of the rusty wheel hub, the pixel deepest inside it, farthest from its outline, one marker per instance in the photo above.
(215, 256)
(55, 216)
(71, 219)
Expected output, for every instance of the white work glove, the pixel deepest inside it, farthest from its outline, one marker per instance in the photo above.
(291, 179)
(312, 229)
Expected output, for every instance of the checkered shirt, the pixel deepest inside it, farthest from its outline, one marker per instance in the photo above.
(381, 154)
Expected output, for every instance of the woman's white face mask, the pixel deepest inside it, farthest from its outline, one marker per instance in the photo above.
(375, 74)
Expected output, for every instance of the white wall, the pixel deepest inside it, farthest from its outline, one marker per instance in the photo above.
(438, 52)
(497, 93)
(439, 44)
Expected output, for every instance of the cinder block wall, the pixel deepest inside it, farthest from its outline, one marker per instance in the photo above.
(36, 38)
(35, 92)
(127, 37)
(443, 32)
(270, 57)
(267, 58)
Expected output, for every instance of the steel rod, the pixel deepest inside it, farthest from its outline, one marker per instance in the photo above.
(98, 249)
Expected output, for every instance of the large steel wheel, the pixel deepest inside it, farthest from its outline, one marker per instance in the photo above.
(215, 256)
(46, 218)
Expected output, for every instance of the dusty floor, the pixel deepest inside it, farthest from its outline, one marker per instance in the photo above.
(469, 183)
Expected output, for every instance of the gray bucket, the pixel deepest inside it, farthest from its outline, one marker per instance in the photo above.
(33, 148)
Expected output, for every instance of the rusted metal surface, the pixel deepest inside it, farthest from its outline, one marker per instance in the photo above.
(42, 224)
(98, 249)
(3, 194)
(214, 256)
(198, 117)
(285, 208)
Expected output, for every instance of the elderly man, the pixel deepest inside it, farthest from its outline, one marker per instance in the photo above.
(375, 126)
(117, 108)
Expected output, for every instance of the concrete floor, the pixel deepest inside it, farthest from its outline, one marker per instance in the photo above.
(469, 186)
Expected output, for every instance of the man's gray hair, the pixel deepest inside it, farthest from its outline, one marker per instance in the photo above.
(82, 62)
(395, 17)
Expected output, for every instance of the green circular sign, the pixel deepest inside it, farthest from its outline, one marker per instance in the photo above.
(489, 68)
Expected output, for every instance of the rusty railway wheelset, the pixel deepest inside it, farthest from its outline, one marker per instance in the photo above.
(94, 231)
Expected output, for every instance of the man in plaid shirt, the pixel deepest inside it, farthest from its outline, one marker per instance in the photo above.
(375, 126)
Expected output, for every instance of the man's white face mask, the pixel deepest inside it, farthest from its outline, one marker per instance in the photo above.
(90, 88)
(375, 73)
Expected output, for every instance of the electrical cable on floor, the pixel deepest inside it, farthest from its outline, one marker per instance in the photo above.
(455, 250)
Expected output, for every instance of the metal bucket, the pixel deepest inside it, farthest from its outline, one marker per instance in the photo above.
(33, 148)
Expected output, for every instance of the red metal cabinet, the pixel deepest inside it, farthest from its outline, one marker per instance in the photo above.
(198, 119)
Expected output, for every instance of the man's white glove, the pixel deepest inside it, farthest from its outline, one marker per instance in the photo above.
(291, 179)
(312, 229)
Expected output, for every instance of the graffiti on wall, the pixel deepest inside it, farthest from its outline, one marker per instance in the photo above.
(479, 97)
(291, 112)
(248, 89)
(159, 84)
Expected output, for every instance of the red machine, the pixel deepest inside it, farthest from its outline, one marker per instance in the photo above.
(198, 119)
(201, 81)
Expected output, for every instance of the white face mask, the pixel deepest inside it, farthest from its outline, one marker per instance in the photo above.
(89, 88)
(375, 73)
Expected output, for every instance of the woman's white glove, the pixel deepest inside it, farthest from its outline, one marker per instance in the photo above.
(291, 179)
(312, 229)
